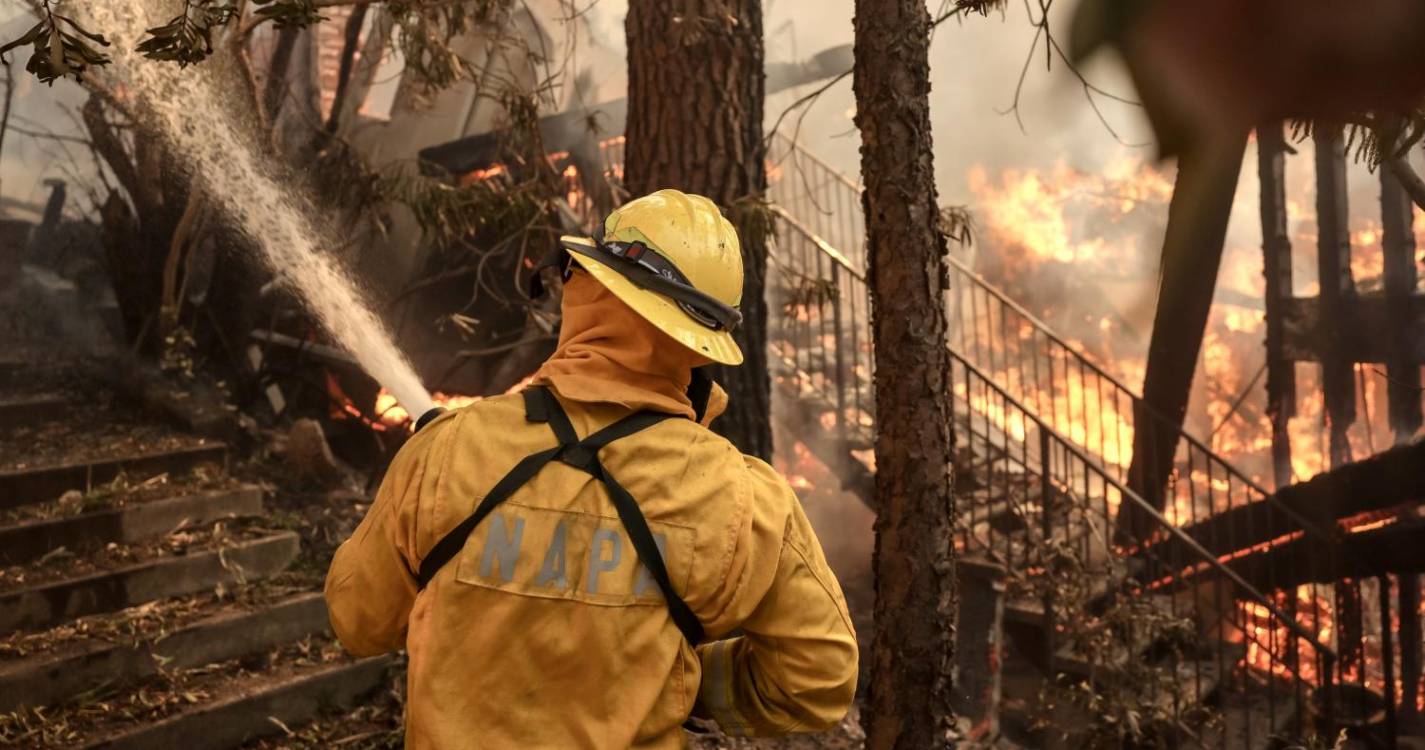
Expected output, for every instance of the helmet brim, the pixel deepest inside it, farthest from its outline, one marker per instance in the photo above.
(663, 313)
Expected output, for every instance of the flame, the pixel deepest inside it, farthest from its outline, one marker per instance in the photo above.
(389, 414)
(392, 414)
(1066, 243)
(1060, 214)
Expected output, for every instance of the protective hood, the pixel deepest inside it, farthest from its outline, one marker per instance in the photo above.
(608, 353)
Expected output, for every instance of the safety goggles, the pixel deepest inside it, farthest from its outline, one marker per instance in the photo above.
(647, 269)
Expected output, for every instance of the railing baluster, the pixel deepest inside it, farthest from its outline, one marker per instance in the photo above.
(837, 333)
(1387, 652)
(1046, 492)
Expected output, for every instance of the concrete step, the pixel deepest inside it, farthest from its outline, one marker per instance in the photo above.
(254, 706)
(46, 604)
(27, 540)
(39, 484)
(50, 678)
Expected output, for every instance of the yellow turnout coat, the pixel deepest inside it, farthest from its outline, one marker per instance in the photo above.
(545, 631)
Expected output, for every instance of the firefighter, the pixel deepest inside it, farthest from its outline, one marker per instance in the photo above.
(564, 565)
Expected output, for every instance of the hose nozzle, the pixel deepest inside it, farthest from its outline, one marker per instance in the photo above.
(429, 417)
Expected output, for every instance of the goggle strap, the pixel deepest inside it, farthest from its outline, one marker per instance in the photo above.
(726, 316)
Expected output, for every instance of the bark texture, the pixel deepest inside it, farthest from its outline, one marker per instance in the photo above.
(1192, 253)
(910, 691)
(695, 93)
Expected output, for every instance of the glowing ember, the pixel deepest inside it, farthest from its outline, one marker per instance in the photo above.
(393, 414)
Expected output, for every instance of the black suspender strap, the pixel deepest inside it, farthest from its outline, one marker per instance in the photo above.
(648, 554)
(542, 406)
(450, 544)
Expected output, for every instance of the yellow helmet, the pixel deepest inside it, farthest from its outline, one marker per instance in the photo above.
(676, 261)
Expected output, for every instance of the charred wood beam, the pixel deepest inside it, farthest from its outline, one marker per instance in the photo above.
(1376, 329)
(1385, 480)
(1192, 251)
(1397, 548)
(1333, 263)
(1403, 395)
(1410, 643)
(1402, 363)
(1276, 267)
(328, 355)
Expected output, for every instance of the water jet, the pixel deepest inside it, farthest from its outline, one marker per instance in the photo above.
(186, 106)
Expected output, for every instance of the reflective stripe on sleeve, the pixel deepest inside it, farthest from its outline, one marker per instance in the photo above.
(718, 693)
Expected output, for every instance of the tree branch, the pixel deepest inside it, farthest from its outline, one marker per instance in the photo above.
(110, 147)
(1413, 184)
(351, 40)
(9, 99)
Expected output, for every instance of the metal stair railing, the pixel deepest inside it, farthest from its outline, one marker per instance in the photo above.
(819, 329)
(819, 214)
(1072, 394)
(1041, 485)
(1031, 491)
(825, 201)
(1043, 508)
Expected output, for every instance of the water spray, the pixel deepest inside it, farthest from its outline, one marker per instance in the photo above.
(188, 109)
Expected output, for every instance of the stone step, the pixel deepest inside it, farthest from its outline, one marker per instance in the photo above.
(10, 371)
(255, 706)
(50, 678)
(27, 540)
(38, 484)
(32, 409)
(50, 603)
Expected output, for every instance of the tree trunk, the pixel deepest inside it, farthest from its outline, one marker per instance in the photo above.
(695, 91)
(911, 657)
(1192, 252)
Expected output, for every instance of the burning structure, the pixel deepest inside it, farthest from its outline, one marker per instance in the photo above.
(1257, 599)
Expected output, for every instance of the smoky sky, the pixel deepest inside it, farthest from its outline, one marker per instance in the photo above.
(974, 65)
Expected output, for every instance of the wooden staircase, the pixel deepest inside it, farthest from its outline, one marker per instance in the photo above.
(149, 597)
